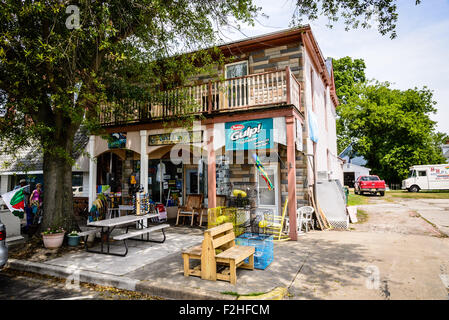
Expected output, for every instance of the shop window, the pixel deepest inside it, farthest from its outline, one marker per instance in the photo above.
(167, 182)
(154, 180)
(223, 176)
(171, 183)
(77, 179)
(32, 180)
(118, 174)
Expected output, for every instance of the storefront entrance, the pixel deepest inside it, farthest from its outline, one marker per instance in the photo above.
(170, 183)
(269, 199)
(118, 175)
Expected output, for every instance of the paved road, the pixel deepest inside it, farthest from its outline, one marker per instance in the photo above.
(436, 211)
(16, 286)
(383, 264)
(395, 254)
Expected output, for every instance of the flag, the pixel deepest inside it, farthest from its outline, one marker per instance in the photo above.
(263, 172)
(15, 201)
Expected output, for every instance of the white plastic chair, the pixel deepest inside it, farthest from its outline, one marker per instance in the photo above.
(304, 217)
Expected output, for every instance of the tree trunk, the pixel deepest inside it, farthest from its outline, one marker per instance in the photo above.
(58, 196)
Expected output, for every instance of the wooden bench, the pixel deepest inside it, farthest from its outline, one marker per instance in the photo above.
(218, 248)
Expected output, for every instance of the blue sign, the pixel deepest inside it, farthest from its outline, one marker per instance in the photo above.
(249, 135)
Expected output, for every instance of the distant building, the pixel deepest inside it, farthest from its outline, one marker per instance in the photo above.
(354, 166)
(445, 148)
(28, 164)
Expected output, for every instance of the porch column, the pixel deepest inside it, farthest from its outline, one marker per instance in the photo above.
(143, 160)
(291, 167)
(92, 172)
(211, 171)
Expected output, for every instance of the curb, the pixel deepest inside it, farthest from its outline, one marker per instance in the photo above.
(153, 288)
(171, 292)
(71, 272)
(143, 286)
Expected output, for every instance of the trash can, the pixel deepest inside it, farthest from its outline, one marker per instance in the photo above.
(346, 194)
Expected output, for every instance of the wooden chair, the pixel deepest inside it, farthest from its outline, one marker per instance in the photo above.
(218, 247)
(193, 206)
(275, 225)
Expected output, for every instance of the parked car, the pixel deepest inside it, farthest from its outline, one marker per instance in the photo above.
(369, 184)
(3, 246)
(427, 177)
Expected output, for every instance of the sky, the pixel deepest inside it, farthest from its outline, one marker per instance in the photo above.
(417, 57)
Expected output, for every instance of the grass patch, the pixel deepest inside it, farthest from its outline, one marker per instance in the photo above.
(362, 216)
(356, 200)
(437, 194)
(253, 294)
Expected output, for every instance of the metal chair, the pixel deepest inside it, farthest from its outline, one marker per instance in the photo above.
(304, 218)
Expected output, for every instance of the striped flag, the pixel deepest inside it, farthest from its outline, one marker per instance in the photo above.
(15, 201)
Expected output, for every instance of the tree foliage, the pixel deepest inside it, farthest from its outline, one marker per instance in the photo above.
(57, 58)
(355, 13)
(391, 128)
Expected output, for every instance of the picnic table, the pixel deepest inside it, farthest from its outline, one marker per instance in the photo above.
(108, 225)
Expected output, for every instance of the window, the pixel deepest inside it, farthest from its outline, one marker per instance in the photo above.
(235, 70)
(369, 178)
(422, 173)
(412, 173)
(77, 179)
(237, 91)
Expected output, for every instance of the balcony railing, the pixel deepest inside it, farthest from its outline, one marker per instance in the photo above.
(252, 91)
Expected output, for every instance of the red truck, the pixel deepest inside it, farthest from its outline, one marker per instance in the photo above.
(369, 184)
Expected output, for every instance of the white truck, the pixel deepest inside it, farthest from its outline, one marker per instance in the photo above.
(427, 177)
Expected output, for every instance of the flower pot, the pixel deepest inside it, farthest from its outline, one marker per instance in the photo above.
(73, 241)
(53, 241)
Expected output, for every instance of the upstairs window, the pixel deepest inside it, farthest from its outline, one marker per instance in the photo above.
(237, 69)
(237, 90)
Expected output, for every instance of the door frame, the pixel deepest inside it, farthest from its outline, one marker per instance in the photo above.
(277, 190)
(423, 181)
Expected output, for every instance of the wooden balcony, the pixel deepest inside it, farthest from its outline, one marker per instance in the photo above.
(259, 90)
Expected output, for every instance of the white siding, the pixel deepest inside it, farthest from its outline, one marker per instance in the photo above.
(324, 109)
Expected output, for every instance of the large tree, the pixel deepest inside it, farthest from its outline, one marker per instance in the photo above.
(354, 13)
(391, 128)
(348, 73)
(57, 58)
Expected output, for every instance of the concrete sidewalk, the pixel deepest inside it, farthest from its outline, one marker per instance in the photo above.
(157, 269)
(321, 265)
(435, 211)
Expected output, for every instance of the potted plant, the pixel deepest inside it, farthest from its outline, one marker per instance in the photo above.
(53, 237)
(73, 239)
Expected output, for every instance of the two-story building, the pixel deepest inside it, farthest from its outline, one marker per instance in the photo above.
(275, 99)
